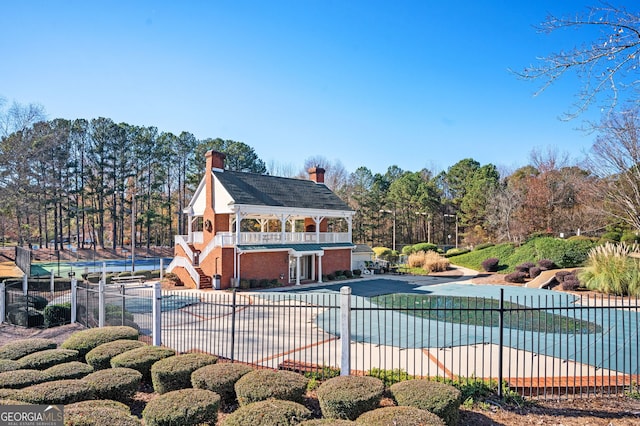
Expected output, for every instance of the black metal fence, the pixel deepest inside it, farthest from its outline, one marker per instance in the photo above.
(548, 344)
(38, 304)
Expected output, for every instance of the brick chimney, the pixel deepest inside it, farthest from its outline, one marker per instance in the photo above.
(316, 174)
(215, 160)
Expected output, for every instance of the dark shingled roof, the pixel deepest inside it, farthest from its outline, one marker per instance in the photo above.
(264, 190)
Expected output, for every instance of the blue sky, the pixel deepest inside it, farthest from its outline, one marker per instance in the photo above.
(369, 83)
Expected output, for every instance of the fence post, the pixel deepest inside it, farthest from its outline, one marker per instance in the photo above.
(52, 281)
(157, 314)
(74, 300)
(500, 341)
(233, 323)
(345, 330)
(161, 268)
(101, 287)
(2, 301)
(25, 284)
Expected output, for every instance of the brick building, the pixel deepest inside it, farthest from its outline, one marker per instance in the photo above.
(260, 227)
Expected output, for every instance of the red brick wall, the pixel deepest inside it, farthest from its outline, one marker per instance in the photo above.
(265, 265)
(334, 260)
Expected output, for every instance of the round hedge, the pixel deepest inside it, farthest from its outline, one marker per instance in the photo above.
(100, 356)
(183, 407)
(48, 358)
(57, 392)
(347, 397)
(268, 413)
(98, 416)
(405, 416)
(439, 398)
(17, 379)
(85, 340)
(8, 365)
(99, 403)
(142, 359)
(8, 393)
(325, 422)
(68, 370)
(174, 373)
(12, 402)
(259, 385)
(118, 384)
(220, 378)
(19, 348)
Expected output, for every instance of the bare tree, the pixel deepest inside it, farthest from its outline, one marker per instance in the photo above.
(607, 65)
(616, 160)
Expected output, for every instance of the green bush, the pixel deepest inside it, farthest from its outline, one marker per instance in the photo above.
(141, 359)
(324, 422)
(47, 358)
(183, 407)
(55, 315)
(424, 247)
(439, 398)
(99, 403)
(57, 392)
(68, 370)
(100, 356)
(347, 397)
(100, 412)
(220, 378)
(610, 270)
(118, 384)
(482, 246)
(268, 413)
(389, 377)
(19, 348)
(259, 385)
(456, 251)
(405, 416)
(8, 365)
(85, 340)
(174, 373)
(17, 379)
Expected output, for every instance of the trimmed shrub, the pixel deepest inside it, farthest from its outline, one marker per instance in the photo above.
(546, 264)
(12, 402)
(141, 359)
(331, 277)
(424, 247)
(357, 272)
(183, 407)
(100, 357)
(348, 273)
(441, 399)
(23, 347)
(18, 314)
(55, 315)
(85, 340)
(405, 416)
(174, 373)
(68, 370)
(47, 358)
(347, 397)
(99, 403)
(525, 267)
(57, 392)
(534, 272)
(220, 378)
(560, 275)
(259, 385)
(323, 422)
(515, 277)
(490, 264)
(99, 413)
(456, 251)
(8, 394)
(268, 413)
(17, 379)
(118, 384)
(8, 365)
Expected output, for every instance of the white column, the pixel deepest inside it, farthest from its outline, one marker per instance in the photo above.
(317, 220)
(101, 313)
(190, 229)
(52, 283)
(25, 284)
(320, 267)
(283, 228)
(74, 300)
(297, 269)
(345, 331)
(157, 314)
(350, 226)
(2, 302)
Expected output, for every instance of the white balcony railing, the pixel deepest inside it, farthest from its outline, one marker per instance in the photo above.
(226, 239)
